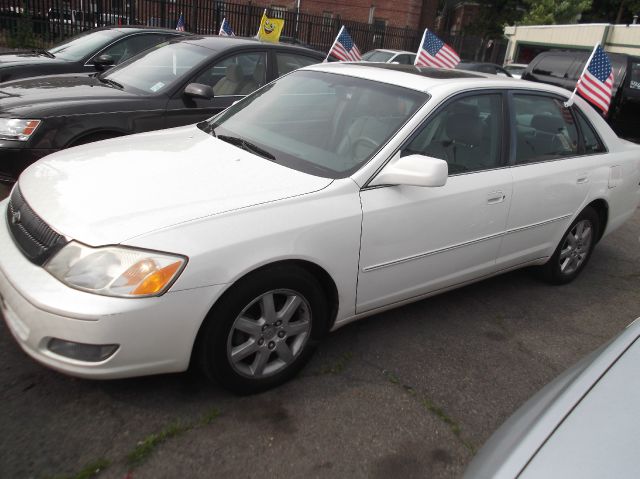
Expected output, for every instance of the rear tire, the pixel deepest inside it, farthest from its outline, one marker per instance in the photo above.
(263, 330)
(574, 250)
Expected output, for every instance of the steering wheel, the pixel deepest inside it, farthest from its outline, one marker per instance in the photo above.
(365, 141)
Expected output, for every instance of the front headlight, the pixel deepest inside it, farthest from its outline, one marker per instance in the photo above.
(21, 130)
(115, 271)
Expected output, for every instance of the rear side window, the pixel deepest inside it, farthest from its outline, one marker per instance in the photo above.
(545, 129)
(592, 143)
(287, 62)
(553, 65)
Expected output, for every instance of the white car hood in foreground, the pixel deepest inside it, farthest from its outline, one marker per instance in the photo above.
(111, 191)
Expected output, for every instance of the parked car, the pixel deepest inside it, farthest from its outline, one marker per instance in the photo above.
(88, 52)
(334, 193)
(584, 424)
(515, 69)
(182, 82)
(390, 56)
(563, 68)
(484, 68)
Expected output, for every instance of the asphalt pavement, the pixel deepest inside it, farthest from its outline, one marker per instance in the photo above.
(413, 392)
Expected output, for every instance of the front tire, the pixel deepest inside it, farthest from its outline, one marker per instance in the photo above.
(263, 330)
(574, 250)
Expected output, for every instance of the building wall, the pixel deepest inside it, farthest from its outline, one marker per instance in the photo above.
(394, 13)
(616, 38)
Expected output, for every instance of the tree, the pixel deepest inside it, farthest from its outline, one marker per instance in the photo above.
(612, 11)
(551, 12)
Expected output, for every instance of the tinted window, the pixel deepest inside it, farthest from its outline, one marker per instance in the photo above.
(287, 62)
(130, 46)
(239, 74)
(545, 129)
(404, 59)
(592, 143)
(467, 134)
(553, 65)
(635, 76)
(377, 56)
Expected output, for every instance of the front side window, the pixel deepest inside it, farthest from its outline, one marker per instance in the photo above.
(320, 123)
(239, 74)
(545, 129)
(466, 133)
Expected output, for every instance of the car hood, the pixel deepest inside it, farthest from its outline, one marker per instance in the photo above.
(114, 190)
(26, 57)
(55, 89)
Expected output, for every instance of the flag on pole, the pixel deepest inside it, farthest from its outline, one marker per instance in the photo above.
(225, 29)
(270, 28)
(343, 48)
(433, 52)
(180, 25)
(596, 82)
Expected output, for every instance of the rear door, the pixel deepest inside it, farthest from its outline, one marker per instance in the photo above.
(551, 176)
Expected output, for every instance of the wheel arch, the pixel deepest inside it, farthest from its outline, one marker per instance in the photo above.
(329, 289)
(601, 207)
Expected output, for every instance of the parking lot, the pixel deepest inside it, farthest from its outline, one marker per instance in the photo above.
(412, 392)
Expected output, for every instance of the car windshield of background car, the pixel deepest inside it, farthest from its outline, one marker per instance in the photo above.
(83, 45)
(159, 68)
(320, 123)
(377, 56)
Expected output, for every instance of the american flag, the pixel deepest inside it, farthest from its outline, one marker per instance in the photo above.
(596, 81)
(344, 49)
(433, 52)
(225, 29)
(180, 25)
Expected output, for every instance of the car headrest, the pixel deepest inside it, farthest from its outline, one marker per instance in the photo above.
(234, 73)
(547, 123)
(464, 128)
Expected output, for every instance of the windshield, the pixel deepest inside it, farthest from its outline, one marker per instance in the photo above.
(377, 56)
(83, 45)
(320, 123)
(158, 69)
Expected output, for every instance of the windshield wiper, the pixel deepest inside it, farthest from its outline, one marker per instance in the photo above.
(245, 145)
(111, 82)
(46, 53)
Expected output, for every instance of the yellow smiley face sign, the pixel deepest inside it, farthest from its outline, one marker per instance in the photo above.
(270, 29)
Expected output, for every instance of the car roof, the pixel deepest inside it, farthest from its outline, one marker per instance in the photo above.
(389, 50)
(124, 29)
(425, 78)
(220, 43)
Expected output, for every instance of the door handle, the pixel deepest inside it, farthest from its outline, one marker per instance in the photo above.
(583, 179)
(495, 197)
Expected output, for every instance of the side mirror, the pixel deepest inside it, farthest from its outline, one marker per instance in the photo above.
(198, 90)
(103, 62)
(413, 170)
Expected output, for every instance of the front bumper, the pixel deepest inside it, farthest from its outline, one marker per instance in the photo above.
(14, 161)
(155, 335)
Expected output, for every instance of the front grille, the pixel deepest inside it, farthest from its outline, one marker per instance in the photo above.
(30, 233)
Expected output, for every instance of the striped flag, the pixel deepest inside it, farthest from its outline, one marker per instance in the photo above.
(596, 82)
(180, 25)
(344, 49)
(433, 52)
(225, 29)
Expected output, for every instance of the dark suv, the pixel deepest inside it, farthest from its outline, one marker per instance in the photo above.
(563, 68)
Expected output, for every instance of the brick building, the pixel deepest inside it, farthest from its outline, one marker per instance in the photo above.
(414, 14)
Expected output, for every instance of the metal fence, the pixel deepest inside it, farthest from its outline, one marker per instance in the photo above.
(38, 23)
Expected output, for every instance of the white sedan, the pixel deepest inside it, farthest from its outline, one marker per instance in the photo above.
(331, 194)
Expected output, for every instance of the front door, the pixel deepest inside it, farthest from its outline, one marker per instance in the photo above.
(417, 240)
